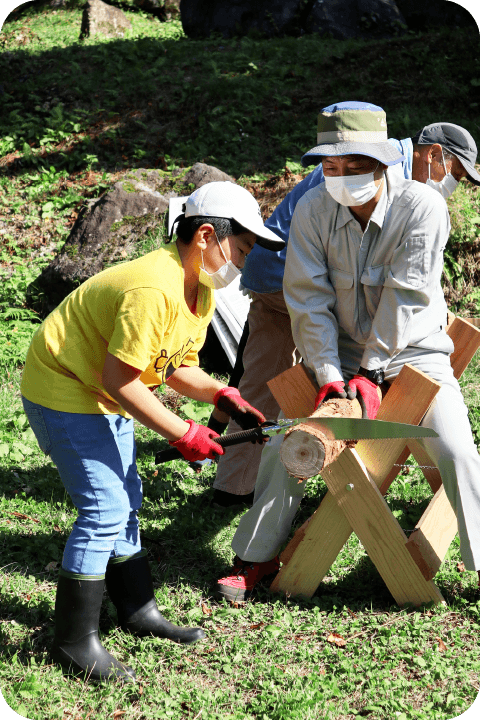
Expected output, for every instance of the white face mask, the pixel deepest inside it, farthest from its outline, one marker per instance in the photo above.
(446, 186)
(221, 277)
(352, 190)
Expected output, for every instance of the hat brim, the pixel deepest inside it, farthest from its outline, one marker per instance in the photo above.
(265, 237)
(384, 152)
(472, 174)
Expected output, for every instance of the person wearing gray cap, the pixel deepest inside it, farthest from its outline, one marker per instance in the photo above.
(363, 290)
(439, 155)
(443, 154)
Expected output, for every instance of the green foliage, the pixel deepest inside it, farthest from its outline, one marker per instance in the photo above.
(462, 254)
(17, 323)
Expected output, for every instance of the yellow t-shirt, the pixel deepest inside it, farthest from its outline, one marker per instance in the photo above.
(135, 311)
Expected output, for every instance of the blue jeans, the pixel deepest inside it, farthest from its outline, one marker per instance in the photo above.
(95, 456)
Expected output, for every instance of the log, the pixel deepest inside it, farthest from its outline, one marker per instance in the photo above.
(306, 450)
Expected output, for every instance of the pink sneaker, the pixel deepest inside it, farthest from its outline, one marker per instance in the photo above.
(243, 578)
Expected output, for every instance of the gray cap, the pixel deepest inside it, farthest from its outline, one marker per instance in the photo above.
(456, 140)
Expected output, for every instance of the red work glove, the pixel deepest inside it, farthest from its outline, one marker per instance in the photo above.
(366, 393)
(330, 390)
(229, 401)
(197, 443)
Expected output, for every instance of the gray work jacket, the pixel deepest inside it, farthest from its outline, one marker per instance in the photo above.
(382, 286)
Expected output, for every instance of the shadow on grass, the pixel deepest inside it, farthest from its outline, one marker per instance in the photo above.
(244, 105)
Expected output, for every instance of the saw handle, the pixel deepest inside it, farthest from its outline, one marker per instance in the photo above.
(242, 436)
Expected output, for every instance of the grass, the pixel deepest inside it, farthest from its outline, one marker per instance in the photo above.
(75, 117)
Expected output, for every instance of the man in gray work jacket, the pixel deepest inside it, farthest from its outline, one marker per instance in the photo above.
(363, 289)
(439, 155)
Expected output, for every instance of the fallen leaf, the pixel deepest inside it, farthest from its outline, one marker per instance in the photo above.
(321, 671)
(337, 640)
(187, 660)
(21, 516)
(351, 613)
(118, 713)
(206, 610)
(441, 645)
(155, 473)
(257, 626)
(210, 650)
(460, 567)
(140, 690)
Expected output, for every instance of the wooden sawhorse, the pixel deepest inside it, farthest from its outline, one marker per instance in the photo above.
(357, 482)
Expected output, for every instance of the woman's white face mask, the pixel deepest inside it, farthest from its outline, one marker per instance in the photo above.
(221, 277)
(446, 186)
(352, 190)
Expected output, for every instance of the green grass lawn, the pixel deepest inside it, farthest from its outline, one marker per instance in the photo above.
(74, 117)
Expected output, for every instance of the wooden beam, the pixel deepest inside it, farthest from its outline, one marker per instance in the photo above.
(411, 388)
(295, 391)
(360, 500)
(433, 534)
(466, 340)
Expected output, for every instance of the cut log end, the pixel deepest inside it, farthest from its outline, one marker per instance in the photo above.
(306, 450)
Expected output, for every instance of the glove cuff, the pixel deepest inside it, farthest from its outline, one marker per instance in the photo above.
(188, 435)
(226, 391)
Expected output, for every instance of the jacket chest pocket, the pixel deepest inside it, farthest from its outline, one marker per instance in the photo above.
(340, 279)
(373, 279)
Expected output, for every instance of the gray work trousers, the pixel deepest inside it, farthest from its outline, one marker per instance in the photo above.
(266, 526)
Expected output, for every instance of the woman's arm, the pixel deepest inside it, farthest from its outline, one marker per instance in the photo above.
(122, 383)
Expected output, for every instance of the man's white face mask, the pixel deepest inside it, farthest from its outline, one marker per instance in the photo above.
(446, 186)
(221, 277)
(352, 190)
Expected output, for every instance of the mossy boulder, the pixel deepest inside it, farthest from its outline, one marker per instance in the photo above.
(106, 231)
(109, 229)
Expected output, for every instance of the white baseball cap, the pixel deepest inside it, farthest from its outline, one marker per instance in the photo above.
(227, 200)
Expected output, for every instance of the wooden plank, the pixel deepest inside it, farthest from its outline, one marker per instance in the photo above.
(314, 554)
(329, 529)
(411, 388)
(294, 391)
(359, 498)
(466, 340)
(429, 542)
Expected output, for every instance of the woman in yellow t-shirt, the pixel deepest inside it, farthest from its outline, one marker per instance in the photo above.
(87, 374)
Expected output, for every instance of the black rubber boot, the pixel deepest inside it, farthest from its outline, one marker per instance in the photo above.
(76, 646)
(130, 586)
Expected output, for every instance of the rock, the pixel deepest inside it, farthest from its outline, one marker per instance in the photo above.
(109, 229)
(201, 174)
(340, 18)
(420, 16)
(105, 232)
(268, 18)
(101, 19)
(343, 19)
